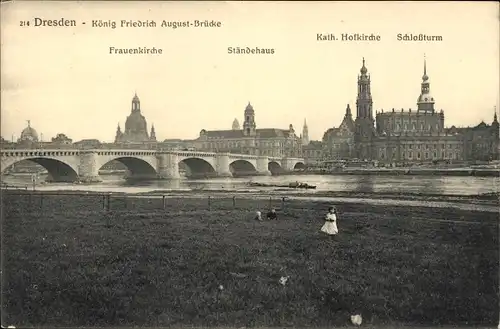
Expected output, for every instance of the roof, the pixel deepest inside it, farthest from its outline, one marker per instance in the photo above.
(262, 133)
(313, 145)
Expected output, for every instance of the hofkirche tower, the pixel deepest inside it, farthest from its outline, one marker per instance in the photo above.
(364, 124)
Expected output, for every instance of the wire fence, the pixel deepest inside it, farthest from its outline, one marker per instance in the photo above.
(43, 202)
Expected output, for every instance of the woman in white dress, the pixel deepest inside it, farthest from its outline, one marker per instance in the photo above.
(330, 226)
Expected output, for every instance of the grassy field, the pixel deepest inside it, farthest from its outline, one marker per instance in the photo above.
(67, 262)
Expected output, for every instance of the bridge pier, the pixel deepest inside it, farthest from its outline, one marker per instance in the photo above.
(88, 171)
(222, 165)
(167, 166)
(263, 166)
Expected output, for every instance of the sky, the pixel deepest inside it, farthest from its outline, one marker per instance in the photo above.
(64, 80)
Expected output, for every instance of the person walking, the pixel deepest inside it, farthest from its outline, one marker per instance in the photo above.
(330, 226)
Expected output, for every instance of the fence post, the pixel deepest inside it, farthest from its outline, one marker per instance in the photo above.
(164, 202)
(283, 203)
(103, 201)
(41, 201)
(234, 201)
(209, 202)
(270, 202)
(109, 202)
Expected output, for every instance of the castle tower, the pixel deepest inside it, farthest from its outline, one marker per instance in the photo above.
(364, 123)
(305, 134)
(236, 124)
(425, 102)
(249, 125)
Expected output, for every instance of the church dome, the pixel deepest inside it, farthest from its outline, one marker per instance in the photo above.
(249, 107)
(29, 133)
(136, 122)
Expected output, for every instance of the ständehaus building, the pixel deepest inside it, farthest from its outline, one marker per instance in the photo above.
(399, 136)
(250, 140)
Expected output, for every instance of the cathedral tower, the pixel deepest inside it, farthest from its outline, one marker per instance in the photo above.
(425, 102)
(249, 125)
(305, 134)
(364, 123)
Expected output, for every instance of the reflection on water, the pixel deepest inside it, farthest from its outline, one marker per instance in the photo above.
(350, 183)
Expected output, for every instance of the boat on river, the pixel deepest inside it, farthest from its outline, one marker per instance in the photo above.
(290, 185)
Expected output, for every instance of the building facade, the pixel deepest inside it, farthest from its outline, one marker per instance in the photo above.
(250, 140)
(404, 137)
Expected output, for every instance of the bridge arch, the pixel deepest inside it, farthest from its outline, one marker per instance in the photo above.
(136, 167)
(275, 168)
(299, 165)
(59, 170)
(242, 168)
(197, 168)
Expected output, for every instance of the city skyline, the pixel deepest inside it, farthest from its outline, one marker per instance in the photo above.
(201, 86)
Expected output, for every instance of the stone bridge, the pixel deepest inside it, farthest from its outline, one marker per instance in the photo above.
(72, 165)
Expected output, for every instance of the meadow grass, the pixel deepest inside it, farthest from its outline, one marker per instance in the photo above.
(68, 262)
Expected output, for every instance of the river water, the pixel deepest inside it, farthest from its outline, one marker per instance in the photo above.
(459, 185)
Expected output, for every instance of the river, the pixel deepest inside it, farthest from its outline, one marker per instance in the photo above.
(453, 185)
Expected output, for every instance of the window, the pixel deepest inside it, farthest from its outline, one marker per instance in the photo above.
(426, 147)
(426, 155)
(411, 155)
(442, 155)
(435, 155)
(418, 155)
(248, 131)
(410, 146)
(248, 118)
(404, 154)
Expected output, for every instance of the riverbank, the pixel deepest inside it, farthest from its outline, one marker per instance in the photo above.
(68, 262)
(420, 199)
(406, 171)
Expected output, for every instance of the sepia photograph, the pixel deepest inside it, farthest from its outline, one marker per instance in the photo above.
(241, 164)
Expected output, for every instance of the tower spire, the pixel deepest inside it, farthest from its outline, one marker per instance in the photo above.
(495, 118)
(425, 77)
(425, 65)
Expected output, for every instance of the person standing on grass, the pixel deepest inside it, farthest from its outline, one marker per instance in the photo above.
(330, 226)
